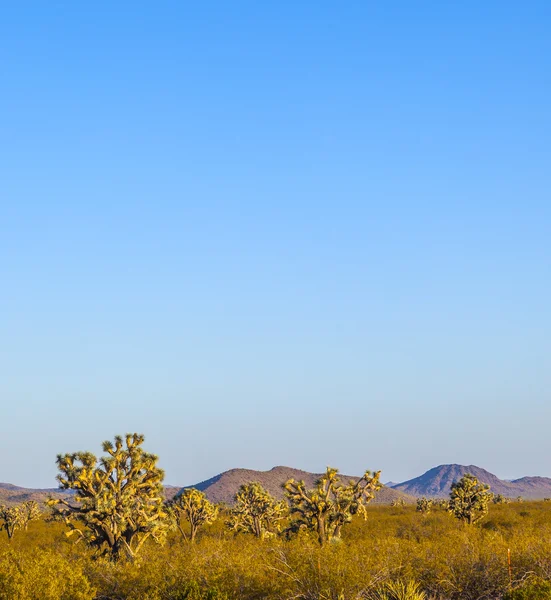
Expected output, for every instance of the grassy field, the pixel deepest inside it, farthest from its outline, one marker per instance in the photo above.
(395, 544)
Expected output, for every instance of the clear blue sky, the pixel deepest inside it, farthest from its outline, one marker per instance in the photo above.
(262, 233)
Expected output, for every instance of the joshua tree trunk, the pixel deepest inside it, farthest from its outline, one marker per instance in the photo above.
(322, 535)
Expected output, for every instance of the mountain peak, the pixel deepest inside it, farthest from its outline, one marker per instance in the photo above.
(437, 482)
(224, 486)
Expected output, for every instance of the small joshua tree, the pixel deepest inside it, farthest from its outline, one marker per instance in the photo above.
(424, 505)
(10, 519)
(118, 499)
(500, 499)
(331, 504)
(29, 511)
(194, 507)
(17, 517)
(469, 499)
(256, 511)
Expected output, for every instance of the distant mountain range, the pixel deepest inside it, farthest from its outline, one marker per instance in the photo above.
(220, 488)
(435, 483)
(12, 494)
(223, 487)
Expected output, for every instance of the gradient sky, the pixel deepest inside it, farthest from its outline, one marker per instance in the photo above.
(299, 233)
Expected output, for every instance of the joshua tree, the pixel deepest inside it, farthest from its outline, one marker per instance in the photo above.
(10, 519)
(29, 511)
(17, 517)
(193, 506)
(118, 499)
(499, 499)
(424, 505)
(256, 511)
(441, 503)
(330, 505)
(469, 499)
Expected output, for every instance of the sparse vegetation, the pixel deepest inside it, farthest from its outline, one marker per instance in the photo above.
(446, 560)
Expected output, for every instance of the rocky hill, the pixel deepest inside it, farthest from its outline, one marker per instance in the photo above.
(223, 487)
(437, 483)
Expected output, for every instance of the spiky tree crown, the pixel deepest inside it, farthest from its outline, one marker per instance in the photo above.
(256, 511)
(424, 505)
(17, 517)
(118, 498)
(469, 499)
(193, 506)
(331, 504)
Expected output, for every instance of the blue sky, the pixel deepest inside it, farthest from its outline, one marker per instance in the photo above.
(276, 233)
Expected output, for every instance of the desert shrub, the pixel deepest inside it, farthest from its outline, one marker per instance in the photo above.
(44, 575)
(448, 561)
(401, 590)
(531, 591)
(218, 568)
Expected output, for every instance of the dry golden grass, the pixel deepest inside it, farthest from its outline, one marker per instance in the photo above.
(445, 559)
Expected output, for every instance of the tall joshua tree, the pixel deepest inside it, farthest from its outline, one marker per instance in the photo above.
(118, 500)
(193, 506)
(331, 504)
(256, 511)
(469, 499)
